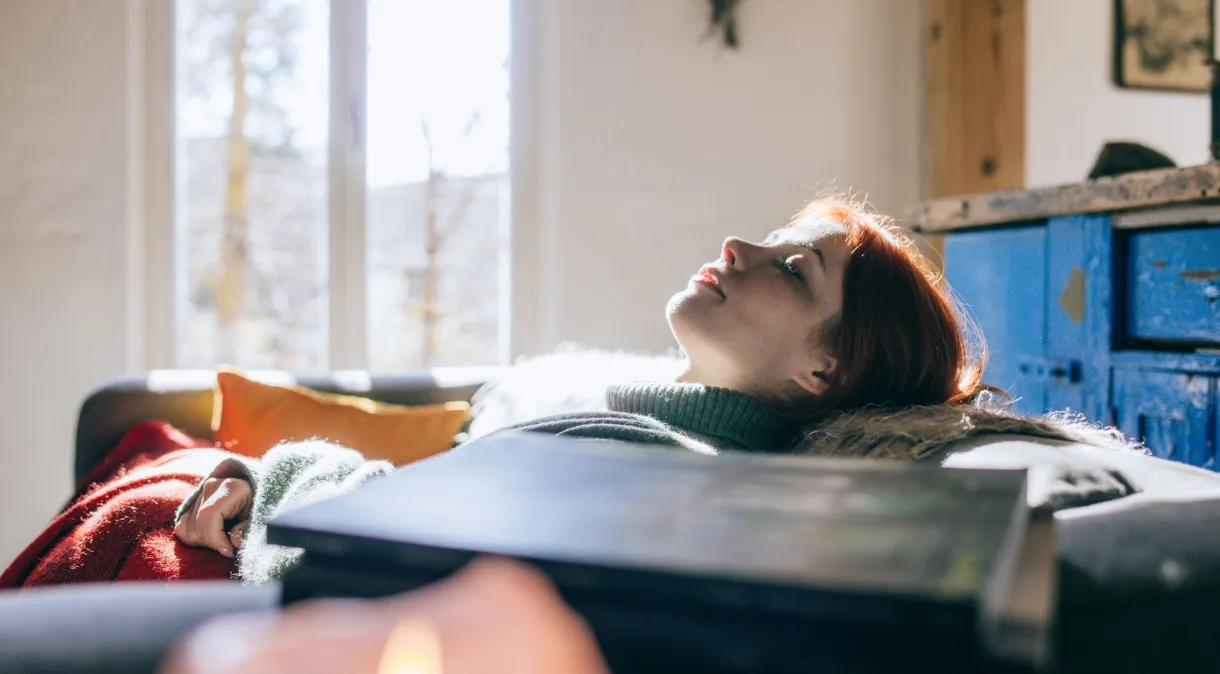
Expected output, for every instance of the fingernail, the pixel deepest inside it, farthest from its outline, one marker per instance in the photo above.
(226, 552)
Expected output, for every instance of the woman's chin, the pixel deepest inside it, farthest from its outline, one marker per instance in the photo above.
(676, 301)
(683, 305)
(690, 318)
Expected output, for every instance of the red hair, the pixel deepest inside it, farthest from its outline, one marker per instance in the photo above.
(902, 338)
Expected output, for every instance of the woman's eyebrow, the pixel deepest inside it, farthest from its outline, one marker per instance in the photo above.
(814, 249)
(807, 245)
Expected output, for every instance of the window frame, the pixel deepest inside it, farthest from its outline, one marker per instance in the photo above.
(347, 304)
(152, 181)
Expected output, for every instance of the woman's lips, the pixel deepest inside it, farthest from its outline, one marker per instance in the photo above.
(709, 278)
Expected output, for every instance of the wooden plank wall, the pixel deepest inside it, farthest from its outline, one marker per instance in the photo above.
(974, 97)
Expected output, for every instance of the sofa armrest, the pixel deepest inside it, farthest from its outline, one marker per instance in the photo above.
(125, 627)
(1139, 584)
(183, 398)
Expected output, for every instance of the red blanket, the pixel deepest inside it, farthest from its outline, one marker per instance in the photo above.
(120, 523)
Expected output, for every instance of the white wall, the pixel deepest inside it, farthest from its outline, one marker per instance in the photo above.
(1073, 107)
(651, 145)
(63, 213)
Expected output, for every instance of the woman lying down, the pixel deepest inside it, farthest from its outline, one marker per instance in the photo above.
(830, 337)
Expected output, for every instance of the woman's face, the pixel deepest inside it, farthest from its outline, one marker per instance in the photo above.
(750, 320)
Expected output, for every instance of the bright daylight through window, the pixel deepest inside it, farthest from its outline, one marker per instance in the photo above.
(257, 172)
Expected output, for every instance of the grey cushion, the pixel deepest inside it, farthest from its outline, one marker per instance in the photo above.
(125, 627)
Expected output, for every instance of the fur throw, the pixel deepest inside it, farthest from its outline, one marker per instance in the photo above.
(932, 432)
(570, 379)
(1070, 462)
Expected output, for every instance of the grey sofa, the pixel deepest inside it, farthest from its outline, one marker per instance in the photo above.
(1139, 591)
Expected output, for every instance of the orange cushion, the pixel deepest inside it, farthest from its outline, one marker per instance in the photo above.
(252, 417)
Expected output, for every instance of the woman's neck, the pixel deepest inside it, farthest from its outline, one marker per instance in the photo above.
(692, 375)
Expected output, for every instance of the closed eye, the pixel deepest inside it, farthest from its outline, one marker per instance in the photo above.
(791, 268)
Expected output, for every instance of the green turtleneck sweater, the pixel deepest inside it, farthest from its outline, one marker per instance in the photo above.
(687, 415)
(692, 416)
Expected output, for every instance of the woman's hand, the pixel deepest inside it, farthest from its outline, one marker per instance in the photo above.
(222, 501)
(494, 617)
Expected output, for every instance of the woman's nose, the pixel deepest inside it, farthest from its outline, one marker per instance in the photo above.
(733, 252)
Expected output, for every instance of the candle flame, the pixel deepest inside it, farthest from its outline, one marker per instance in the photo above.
(413, 647)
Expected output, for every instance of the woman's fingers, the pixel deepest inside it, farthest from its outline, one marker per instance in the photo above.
(238, 533)
(231, 500)
(187, 527)
(219, 501)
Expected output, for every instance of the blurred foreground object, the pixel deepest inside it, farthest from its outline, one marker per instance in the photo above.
(495, 616)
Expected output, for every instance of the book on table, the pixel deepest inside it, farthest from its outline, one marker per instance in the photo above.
(730, 563)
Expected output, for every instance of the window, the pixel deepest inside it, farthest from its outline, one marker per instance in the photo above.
(437, 180)
(342, 183)
(252, 140)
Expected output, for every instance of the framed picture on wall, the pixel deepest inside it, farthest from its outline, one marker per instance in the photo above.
(1164, 44)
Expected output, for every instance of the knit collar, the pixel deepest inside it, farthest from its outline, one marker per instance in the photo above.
(722, 414)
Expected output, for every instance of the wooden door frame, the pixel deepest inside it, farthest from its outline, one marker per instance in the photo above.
(973, 96)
